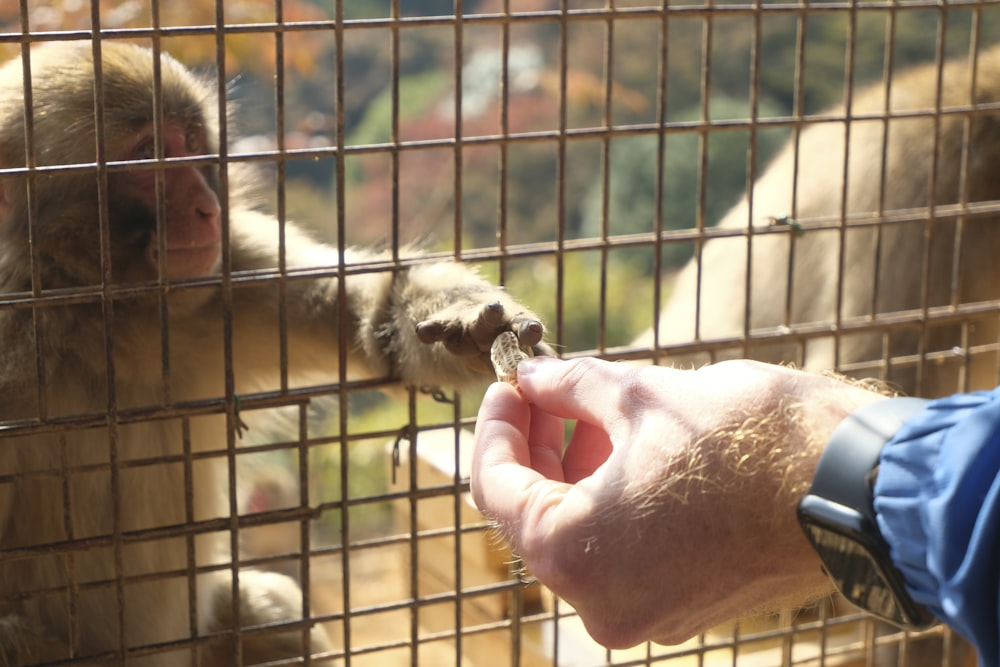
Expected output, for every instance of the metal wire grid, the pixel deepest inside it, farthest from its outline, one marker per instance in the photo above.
(527, 628)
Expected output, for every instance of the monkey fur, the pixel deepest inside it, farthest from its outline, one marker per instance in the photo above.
(113, 305)
(897, 266)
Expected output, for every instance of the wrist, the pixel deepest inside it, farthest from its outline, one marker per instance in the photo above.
(770, 458)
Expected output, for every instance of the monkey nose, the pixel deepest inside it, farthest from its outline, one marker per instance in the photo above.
(207, 207)
(207, 212)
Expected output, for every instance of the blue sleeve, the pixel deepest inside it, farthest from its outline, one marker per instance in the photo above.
(937, 499)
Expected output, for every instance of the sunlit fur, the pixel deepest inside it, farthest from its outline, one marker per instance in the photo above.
(804, 266)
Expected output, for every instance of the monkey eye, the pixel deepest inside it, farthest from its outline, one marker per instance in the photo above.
(145, 150)
(192, 142)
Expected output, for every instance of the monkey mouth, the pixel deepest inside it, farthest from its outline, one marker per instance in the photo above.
(189, 261)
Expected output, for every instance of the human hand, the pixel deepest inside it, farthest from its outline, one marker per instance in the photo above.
(672, 508)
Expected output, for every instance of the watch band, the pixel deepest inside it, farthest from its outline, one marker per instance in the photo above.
(853, 450)
(838, 514)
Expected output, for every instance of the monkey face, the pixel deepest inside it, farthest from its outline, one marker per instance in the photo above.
(163, 217)
(183, 236)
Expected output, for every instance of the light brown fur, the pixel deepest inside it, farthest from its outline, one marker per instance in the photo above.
(795, 276)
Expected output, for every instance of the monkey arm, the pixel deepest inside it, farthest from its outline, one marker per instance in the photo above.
(430, 325)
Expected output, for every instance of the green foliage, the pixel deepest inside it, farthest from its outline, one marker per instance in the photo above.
(418, 93)
(368, 475)
(365, 9)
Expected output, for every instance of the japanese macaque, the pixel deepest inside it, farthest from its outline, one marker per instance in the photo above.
(822, 295)
(126, 346)
(267, 488)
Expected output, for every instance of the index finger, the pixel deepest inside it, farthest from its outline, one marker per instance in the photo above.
(585, 389)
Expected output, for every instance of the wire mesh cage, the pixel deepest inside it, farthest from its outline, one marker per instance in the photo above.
(678, 183)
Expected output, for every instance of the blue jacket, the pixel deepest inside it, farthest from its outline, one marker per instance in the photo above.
(937, 499)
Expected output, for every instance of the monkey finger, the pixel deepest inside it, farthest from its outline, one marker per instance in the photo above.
(529, 332)
(452, 336)
(489, 322)
(461, 334)
(543, 349)
(491, 316)
(430, 331)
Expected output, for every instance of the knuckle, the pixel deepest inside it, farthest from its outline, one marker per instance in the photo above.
(639, 386)
(574, 379)
(577, 372)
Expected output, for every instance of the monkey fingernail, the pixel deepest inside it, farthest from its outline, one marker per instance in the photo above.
(492, 315)
(506, 354)
(530, 333)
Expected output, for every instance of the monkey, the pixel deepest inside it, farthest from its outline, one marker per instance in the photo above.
(266, 488)
(138, 277)
(840, 234)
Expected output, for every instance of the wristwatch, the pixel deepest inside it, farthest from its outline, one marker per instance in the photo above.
(838, 514)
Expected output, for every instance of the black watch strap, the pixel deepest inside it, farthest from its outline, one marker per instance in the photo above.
(838, 514)
(853, 451)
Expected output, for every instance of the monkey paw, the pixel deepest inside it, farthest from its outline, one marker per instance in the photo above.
(471, 334)
(267, 600)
